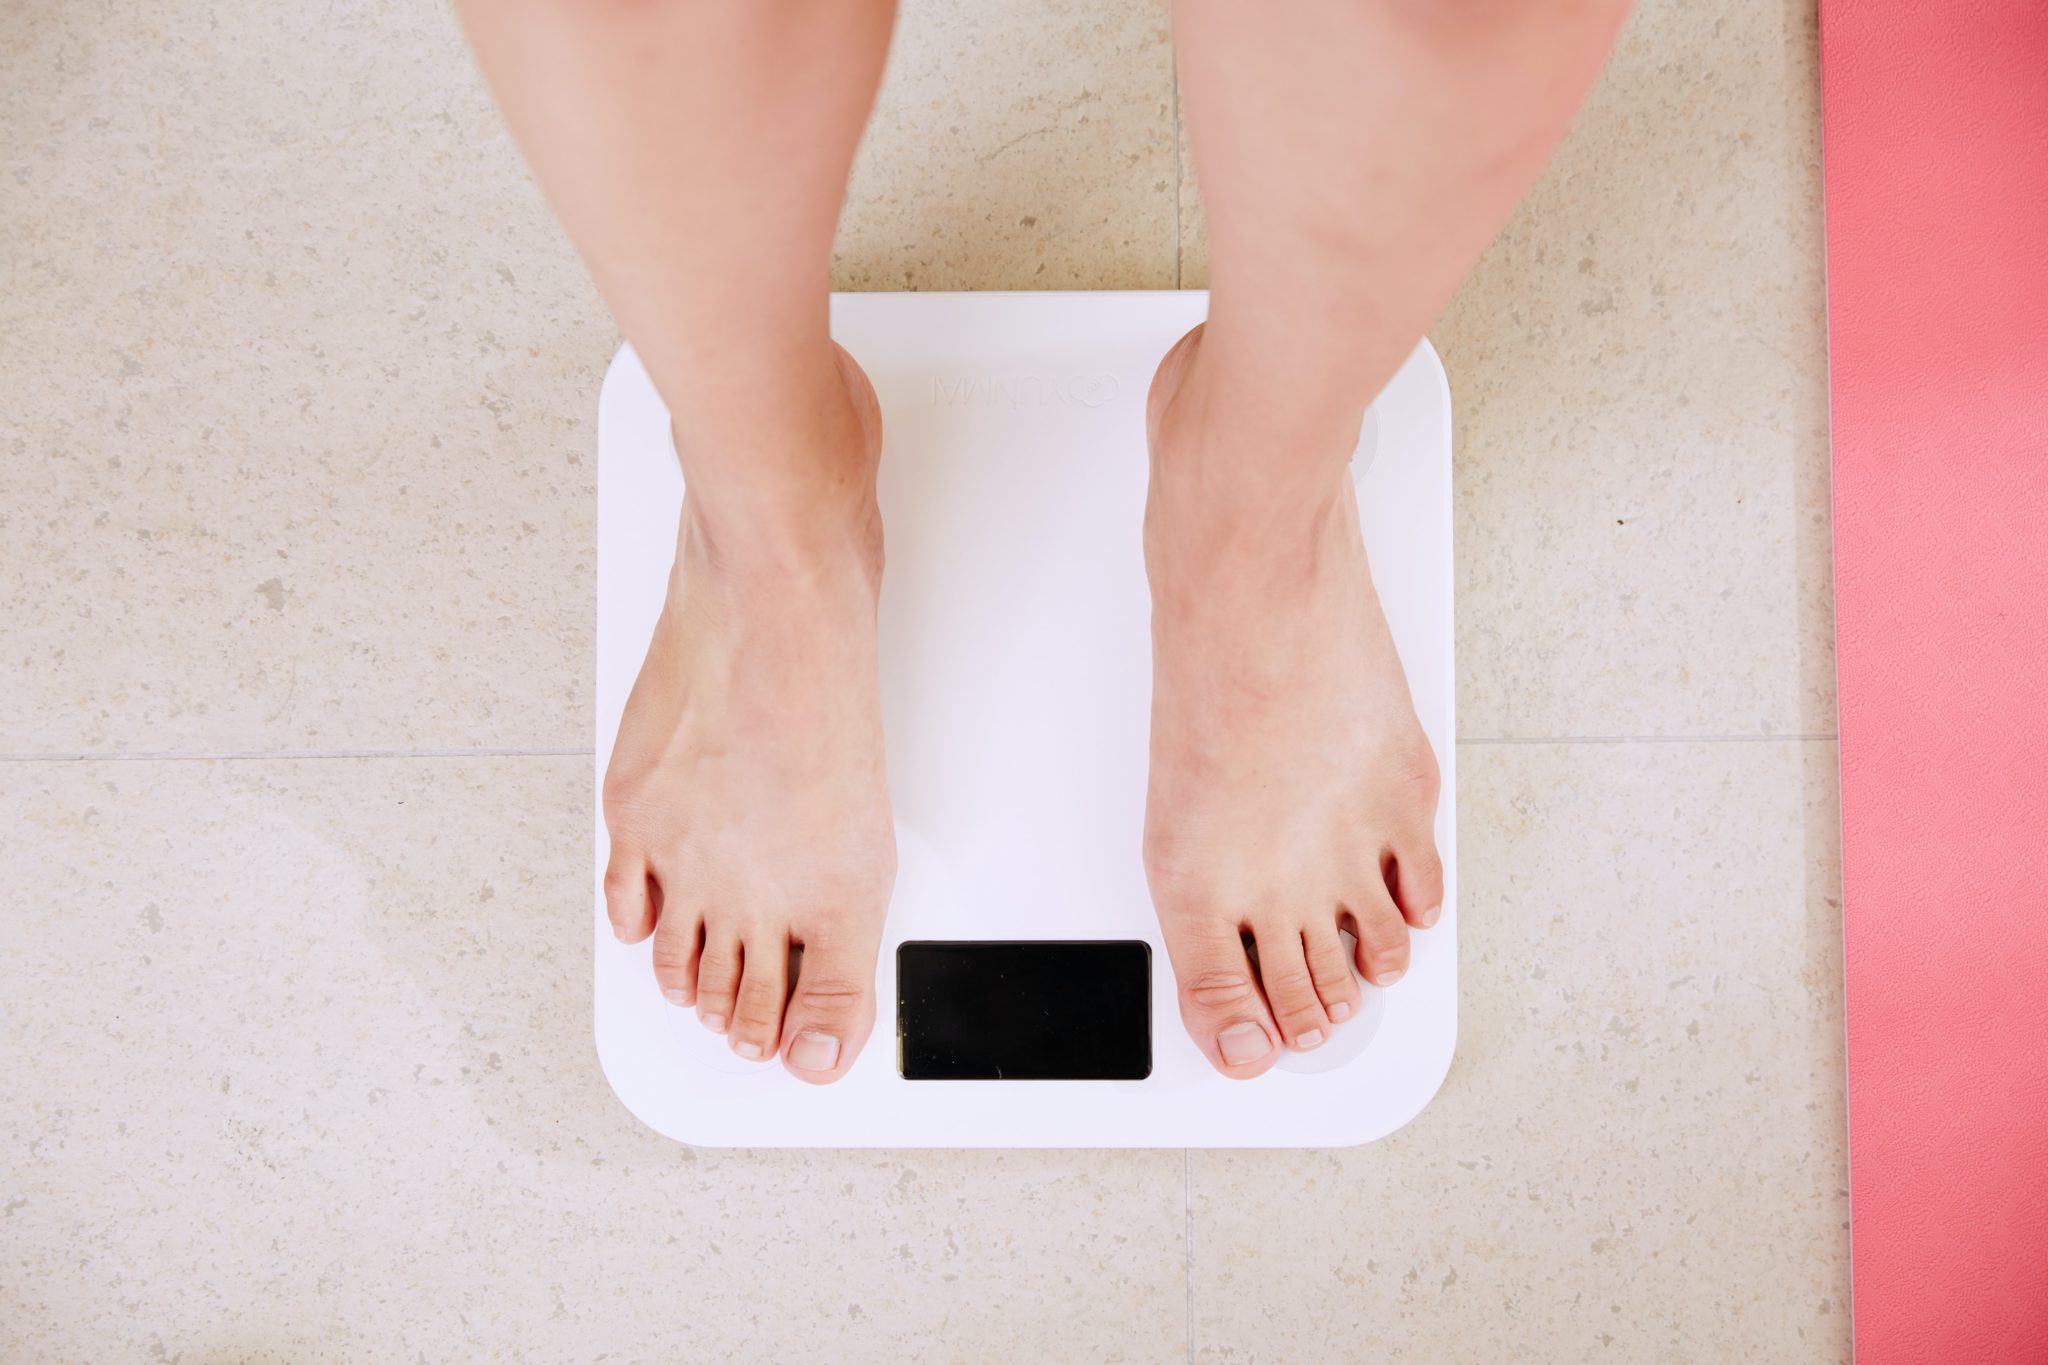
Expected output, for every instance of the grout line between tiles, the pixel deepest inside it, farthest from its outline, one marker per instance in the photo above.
(1187, 1156)
(297, 755)
(285, 756)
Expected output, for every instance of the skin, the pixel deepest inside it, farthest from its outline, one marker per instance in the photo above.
(696, 152)
(1355, 157)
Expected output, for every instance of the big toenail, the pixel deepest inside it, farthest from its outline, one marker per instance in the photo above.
(1313, 1038)
(1389, 978)
(1241, 1043)
(750, 1051)
(1340, 1011)
(1429, 915)
(675, 996)
(715, 1022)
(814, 1052)
(619, 932)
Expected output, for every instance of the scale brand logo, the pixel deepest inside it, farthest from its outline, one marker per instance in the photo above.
(1023, 390)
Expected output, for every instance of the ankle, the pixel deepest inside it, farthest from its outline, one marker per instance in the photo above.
(1240, 459)
(1222, 485)
(1244, 501)
(781, 479)
(822, 537)
(1199, 547)
(1219, 393)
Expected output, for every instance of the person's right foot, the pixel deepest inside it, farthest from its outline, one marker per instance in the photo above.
(746, 801)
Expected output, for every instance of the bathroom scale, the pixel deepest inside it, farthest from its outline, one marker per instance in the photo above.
(1024, 995)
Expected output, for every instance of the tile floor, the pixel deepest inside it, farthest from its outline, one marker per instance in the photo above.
(297, 390)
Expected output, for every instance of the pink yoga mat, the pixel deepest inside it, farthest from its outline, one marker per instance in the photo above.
(1936, 129)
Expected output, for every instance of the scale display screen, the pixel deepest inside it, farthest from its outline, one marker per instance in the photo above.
(1024, 1010)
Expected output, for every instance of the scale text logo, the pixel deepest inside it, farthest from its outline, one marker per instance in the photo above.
(1022, 391)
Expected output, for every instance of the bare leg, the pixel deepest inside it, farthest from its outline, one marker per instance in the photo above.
(1355, 157)
(697, 152)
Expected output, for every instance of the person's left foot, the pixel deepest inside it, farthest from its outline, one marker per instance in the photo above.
(1293, 792)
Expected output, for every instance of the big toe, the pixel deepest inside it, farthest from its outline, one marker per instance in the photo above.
(1220, 1000)
(832, 1010)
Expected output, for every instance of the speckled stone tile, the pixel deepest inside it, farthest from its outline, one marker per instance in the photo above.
(1638, 370)
(299, 388)
(1018, 147)
(1640, 1151)
(298, 1067)
(298, 379)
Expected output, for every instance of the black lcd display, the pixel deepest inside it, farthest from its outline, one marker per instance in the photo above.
(1026, 1010)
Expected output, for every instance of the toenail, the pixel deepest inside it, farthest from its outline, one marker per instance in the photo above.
(1340, 1011)
(1389, 978)
(715, 1022)
(619, 931)
(750, 1051)
(1313, 1038)
(675, 996)
(1429, 915)
(814, 1052)
(1241, 1043)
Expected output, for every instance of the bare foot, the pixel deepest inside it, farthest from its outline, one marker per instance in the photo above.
(746, 800)
(1292, 792)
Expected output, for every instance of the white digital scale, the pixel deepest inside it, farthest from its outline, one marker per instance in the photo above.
(1016, 673)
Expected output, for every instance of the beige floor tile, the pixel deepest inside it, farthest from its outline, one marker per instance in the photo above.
(298, 1066)
(1639, 1153)
(299, 378)
(300, 386)
(1018, 147)
(1192, 269)
(1638, 371)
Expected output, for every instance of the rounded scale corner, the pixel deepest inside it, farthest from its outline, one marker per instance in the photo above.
(1446, 1056)
(623, 363)
(623, 1093)
(1440, 379)
(1435, 1086)
(611, 1081)
(1445, 1062)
